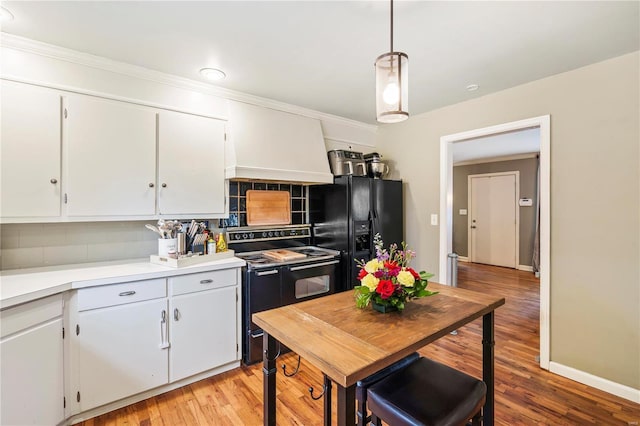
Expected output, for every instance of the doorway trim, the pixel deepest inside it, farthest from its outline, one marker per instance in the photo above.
(446, 210)
(516, 248)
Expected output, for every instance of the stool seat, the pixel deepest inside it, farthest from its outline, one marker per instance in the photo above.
(427, 393)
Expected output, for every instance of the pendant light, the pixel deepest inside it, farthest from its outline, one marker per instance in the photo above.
(392, 81)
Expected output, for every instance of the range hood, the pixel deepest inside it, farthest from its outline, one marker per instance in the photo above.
(265, 144)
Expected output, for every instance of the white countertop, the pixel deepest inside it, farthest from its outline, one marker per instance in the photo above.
(23, 285)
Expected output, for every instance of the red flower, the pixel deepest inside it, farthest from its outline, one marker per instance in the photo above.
(362, 274)
(392, 267)
(385, 288)
(414, 273)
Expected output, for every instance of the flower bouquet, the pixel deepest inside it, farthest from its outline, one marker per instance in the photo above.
(388, 281)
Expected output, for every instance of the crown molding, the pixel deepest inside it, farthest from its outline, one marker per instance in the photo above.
(61, 53)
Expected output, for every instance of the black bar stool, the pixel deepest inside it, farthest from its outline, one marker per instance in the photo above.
(419, 391)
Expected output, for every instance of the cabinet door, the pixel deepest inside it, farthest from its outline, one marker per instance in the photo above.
(111, 158)
(203, 331)
(32, 388)
(191, 164)
(30, 151)
(122, 350)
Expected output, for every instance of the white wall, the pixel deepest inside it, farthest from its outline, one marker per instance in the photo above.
(595, 203)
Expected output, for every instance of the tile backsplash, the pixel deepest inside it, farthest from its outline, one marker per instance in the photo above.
(48, 244)
(238, 201)
(33, 245)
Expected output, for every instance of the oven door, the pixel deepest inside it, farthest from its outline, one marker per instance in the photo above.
(308, 281)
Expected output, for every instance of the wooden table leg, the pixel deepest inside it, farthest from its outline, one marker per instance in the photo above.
(269, 370)
(488, 344)
(327, 401)
(346, 405)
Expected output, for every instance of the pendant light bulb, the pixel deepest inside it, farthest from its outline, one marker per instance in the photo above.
(391, 93)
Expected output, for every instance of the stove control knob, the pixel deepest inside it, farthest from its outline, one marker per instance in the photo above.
(264, 235)
(245, 236)
(237, 236)
(251, 235)
(270, 234)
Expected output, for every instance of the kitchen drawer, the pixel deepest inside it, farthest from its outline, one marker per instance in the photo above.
(30, 314)
(203, 281)
(119, 294)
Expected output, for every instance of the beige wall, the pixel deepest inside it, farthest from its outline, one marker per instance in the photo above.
(595, 202)
(528, 168)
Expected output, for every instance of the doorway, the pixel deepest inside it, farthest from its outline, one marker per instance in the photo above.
(494, 219)
(543, 123)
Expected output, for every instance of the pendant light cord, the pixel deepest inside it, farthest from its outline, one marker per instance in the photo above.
(391, 26)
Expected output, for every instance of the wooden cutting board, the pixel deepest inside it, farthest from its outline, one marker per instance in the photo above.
(283, 255)
(268, 207)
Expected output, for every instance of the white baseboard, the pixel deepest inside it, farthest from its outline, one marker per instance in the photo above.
(525, 268)
(605, 385)
(463, 259)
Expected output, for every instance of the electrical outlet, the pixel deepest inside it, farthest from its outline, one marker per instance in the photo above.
(434, 219)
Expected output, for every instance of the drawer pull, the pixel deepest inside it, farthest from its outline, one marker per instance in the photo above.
(127, 293)
(206, 281)
(263, 273)
(176, 314)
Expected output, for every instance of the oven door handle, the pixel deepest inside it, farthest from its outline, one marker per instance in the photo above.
(271, 272)
(313, 265)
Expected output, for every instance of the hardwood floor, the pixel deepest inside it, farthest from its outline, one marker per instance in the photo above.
(525, 394)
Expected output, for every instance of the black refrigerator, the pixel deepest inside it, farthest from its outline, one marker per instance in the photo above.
(347, 214)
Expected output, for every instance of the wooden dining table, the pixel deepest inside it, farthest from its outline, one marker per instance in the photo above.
(348, 344)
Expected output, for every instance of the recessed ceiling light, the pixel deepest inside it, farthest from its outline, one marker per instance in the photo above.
(5, 15)
(212, 74)
(472, 87)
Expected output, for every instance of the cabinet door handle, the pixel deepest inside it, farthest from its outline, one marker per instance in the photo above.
(164, 185)
(127, 293)
(53, 181)
(164, 341)
(151, 185)
(206, 281)
(176, 314)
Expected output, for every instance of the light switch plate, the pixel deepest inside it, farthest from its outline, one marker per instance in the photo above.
(434, 219)
(463, 212)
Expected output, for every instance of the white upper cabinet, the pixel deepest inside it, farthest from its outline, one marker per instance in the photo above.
(73, 157)
(30, 151)
(191, 164)
(110, 157)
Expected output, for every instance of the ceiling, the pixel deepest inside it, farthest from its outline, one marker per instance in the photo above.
(320, 54)
(518, 142)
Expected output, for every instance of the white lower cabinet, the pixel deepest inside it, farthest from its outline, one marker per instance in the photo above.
(203, 325)
(132, 337)
(123, 350)
(31, 363)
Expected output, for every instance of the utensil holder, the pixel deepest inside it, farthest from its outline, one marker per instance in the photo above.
(166, 245)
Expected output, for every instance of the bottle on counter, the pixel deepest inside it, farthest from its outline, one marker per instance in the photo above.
(221, 245)
(211, 245)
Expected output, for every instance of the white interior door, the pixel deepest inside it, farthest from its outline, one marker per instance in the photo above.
(493, 227)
